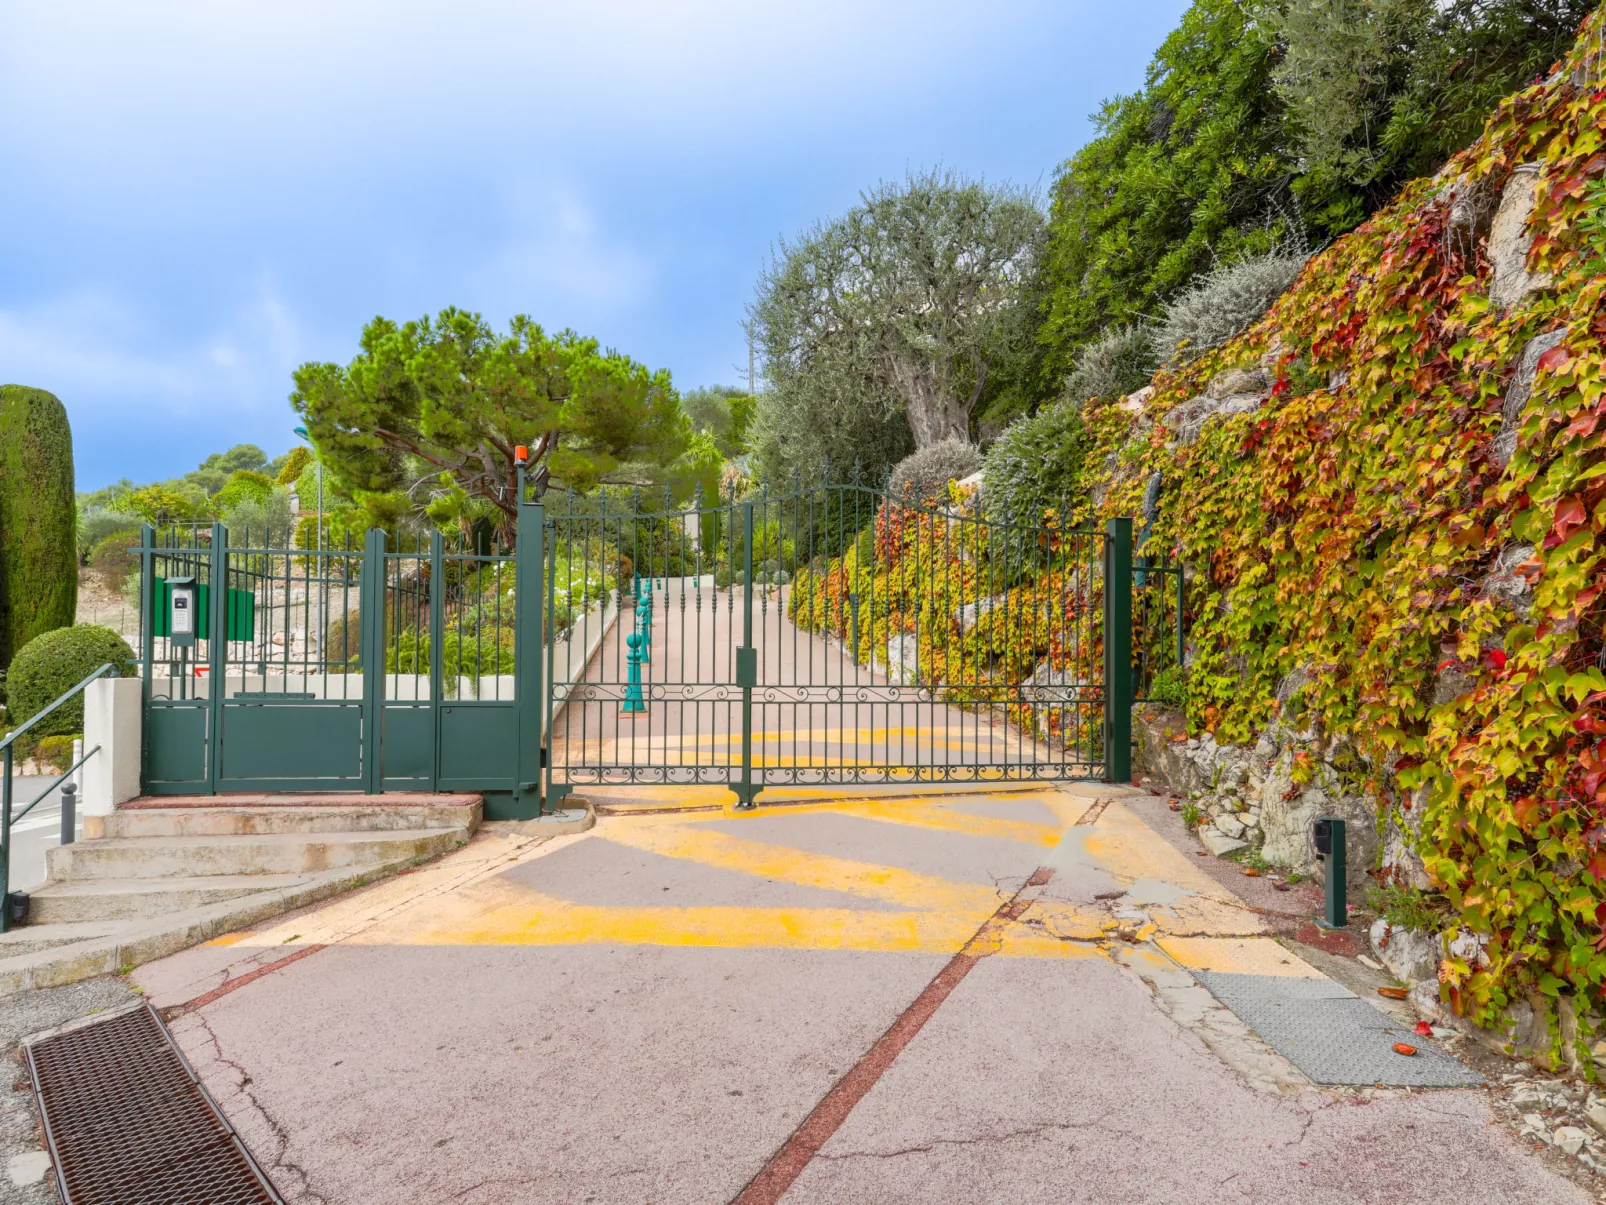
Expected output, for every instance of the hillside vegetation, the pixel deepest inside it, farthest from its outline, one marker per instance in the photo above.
(1394, 485)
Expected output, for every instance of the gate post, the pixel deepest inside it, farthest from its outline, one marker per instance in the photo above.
(1118, 650)
(371, 618)
(437, 670)
(747, 663)
(529, 642)
(217, 655)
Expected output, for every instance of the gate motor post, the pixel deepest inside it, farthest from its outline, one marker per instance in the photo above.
(183, 610)
(1328, 835)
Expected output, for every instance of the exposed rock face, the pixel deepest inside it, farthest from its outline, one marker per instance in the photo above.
(1237, 381)
(903, 659)
(1410, 954)
(1254, 787)
(967, 615)
(1236, 391)
(1049, 685)
(1517, 395)
(1505, 584)
(1450, 684)
(1510, 241)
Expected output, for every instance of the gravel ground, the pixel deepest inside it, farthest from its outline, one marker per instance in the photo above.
(25, 1177)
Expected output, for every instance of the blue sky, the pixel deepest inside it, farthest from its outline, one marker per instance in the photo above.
(198, 196)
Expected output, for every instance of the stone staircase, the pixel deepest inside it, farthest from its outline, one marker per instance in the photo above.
(147, 881)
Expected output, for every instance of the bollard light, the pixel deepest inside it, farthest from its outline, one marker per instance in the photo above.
(1328, 836)
(69, 812)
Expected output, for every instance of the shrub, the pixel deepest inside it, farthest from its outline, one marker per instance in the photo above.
(38, 518)
(342, 641)
(1036, 467)
(1223, 303)
(1120, 361)
(259, 519)
(55, 750)
(243, 485)
(1170, 687)
(923, 475)
(52, 664)
(113, 558)
(95, 524)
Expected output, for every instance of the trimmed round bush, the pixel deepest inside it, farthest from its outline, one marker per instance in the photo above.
(1222, 304)
(1036, 467)
(923, 475)
(1118, 362)
(50, 665)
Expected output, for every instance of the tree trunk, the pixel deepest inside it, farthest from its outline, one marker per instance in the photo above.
(933, 411)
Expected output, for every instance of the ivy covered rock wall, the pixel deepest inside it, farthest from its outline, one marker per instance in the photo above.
(1394, 487)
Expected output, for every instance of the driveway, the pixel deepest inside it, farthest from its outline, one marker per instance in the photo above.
(954, 997)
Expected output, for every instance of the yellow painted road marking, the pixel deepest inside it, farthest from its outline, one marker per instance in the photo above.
(1238, 956)
(687, 839)
(468, 899)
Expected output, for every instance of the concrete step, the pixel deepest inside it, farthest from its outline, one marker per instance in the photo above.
(260, 821)
(80, 900)
(30, 939)
(270, 853)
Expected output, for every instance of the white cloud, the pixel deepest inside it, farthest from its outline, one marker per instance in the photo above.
(318, 70)
(101, 354)
(557, 257)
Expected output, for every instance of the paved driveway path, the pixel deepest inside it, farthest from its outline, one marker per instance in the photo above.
(949, 998)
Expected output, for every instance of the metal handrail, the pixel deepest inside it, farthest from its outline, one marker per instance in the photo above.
(7, 757)
(108, 668)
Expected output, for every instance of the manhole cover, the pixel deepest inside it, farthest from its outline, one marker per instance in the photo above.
(128, 1122)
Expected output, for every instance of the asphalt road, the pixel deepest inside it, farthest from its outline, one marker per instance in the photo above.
(975, 997)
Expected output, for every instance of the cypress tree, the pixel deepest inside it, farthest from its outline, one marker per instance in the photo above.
(38, 518)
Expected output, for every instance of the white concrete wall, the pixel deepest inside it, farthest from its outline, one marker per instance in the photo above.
(112, 718)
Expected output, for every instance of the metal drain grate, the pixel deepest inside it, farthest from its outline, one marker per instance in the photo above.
(128, 1122)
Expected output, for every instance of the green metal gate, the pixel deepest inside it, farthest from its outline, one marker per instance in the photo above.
(835, 635)
(340, 668)
(825, 636)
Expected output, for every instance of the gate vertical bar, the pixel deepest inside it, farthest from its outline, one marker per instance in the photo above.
(437, 655)
(371, 600)
(1118, 650)
(529, 644)
(217, 648)
(747, 661)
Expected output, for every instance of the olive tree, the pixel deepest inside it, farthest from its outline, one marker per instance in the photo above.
(904, 310)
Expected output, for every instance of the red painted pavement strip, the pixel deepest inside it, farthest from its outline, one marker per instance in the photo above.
(798, 1151)
(174, 1012)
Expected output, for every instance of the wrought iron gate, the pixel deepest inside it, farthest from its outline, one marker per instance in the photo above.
(832, 635)
(835, 635)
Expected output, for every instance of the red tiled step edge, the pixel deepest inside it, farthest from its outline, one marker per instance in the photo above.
(305, 799)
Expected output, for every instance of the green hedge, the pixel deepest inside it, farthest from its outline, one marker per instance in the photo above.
(50, 665)
(38, 518)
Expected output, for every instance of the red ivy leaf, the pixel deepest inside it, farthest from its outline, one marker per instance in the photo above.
(1556, 357)
(1570, 515)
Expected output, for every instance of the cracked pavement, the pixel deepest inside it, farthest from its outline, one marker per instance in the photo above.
(954, 997)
